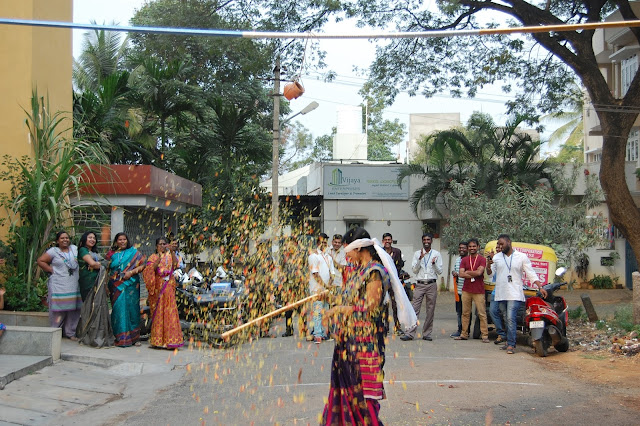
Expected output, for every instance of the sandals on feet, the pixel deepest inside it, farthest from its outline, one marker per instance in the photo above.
(460, 338)
(510, 349)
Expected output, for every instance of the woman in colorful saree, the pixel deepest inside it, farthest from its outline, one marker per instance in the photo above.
(126, 263)
(94, 328)
(161, 285)
(358, 358)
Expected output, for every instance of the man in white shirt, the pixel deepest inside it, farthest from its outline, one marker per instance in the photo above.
(320, 278)
(427, 265)
(509, 266)
(337, 253)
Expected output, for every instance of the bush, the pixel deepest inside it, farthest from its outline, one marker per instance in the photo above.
(623, 319)
(601, 281)
(577, 313)
(18, 298)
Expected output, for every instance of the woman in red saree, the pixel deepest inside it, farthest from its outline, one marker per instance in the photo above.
(161, 285)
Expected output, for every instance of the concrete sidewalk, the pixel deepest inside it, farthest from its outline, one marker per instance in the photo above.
(89, 379)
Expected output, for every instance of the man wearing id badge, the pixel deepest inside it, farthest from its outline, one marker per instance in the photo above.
(509, 266)
(427, 265)
(472, 270)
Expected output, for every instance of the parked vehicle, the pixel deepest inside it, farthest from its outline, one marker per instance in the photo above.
(546, 320)
(209, 307)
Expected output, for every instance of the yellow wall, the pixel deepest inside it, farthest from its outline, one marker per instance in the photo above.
(32, 57)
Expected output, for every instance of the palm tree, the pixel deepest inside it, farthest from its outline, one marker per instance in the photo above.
(569, 135)
(162, 94)
(481, 152)
(104, 117)
(102, 55)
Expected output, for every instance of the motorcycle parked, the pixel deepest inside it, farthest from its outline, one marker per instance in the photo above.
(547, 319)
(208, 308)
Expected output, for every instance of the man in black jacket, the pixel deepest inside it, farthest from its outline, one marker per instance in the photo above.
(398, 261)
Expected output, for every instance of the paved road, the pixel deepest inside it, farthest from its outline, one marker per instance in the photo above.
(285, 381)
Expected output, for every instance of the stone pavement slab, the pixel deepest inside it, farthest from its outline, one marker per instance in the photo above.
(12, 367)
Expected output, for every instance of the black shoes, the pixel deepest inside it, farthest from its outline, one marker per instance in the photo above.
(428, 338)
(287, 334)
(406, 338)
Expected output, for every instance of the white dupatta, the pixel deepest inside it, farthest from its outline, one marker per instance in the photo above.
(406, 314)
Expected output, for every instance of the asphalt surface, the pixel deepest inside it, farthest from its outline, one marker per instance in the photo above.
(286, 381)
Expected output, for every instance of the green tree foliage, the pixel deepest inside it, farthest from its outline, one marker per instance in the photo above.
(301, 149)
(569, 135)
(383, 135)
(103, 54)
(531, 215)
(42, 185)
(162, 95)
(103, 103)
(106, 118)
(464, 65)
(482, 153)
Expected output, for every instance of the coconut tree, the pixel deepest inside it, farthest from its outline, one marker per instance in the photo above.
(569, 133)
(483, 152)
(103, 54)
(162, 94)
(105, 117)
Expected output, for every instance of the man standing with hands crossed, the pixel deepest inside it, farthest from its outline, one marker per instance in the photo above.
(427, 265)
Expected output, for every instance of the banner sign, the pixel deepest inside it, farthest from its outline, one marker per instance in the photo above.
(363, 182)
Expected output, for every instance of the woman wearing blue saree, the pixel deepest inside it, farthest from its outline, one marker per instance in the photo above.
(126, 263)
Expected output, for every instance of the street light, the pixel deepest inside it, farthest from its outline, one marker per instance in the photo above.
(276, 163)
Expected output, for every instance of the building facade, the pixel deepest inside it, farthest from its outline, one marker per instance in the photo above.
(27, 57)
(617, 53)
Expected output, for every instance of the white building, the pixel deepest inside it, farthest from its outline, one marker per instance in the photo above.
(617, 52)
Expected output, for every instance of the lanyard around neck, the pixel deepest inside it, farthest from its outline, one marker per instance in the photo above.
(510, 263)
(426, 264)
(473, 265)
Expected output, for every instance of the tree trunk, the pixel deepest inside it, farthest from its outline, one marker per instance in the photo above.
(622, 209)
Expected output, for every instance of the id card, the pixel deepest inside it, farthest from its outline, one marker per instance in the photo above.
(509, 279)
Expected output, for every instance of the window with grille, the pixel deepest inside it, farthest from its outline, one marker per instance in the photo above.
(632, 145)
(96, 219)
(628, 70)
(144, 226)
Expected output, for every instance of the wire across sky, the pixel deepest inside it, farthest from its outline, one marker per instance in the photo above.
(313, 35)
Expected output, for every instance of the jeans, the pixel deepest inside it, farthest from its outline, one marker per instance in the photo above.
(316, 324)
(511, 307)
(497, 314)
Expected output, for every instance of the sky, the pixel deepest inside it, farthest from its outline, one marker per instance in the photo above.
(342, 57)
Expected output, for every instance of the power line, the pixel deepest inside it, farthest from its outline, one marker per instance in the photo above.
(318, 36)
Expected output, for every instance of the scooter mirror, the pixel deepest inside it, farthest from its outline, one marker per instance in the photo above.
(561, 271)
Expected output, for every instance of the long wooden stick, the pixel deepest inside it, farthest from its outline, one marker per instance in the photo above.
(277, 312)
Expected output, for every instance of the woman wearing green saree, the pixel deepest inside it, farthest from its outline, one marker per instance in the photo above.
(126, 263)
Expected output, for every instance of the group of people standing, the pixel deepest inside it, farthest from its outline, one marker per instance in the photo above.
(506, 267)
(81, 280)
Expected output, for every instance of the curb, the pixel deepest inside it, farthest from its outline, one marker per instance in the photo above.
(90, 360)
(30, 365)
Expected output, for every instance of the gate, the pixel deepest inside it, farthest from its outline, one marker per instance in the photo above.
(631, 264)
